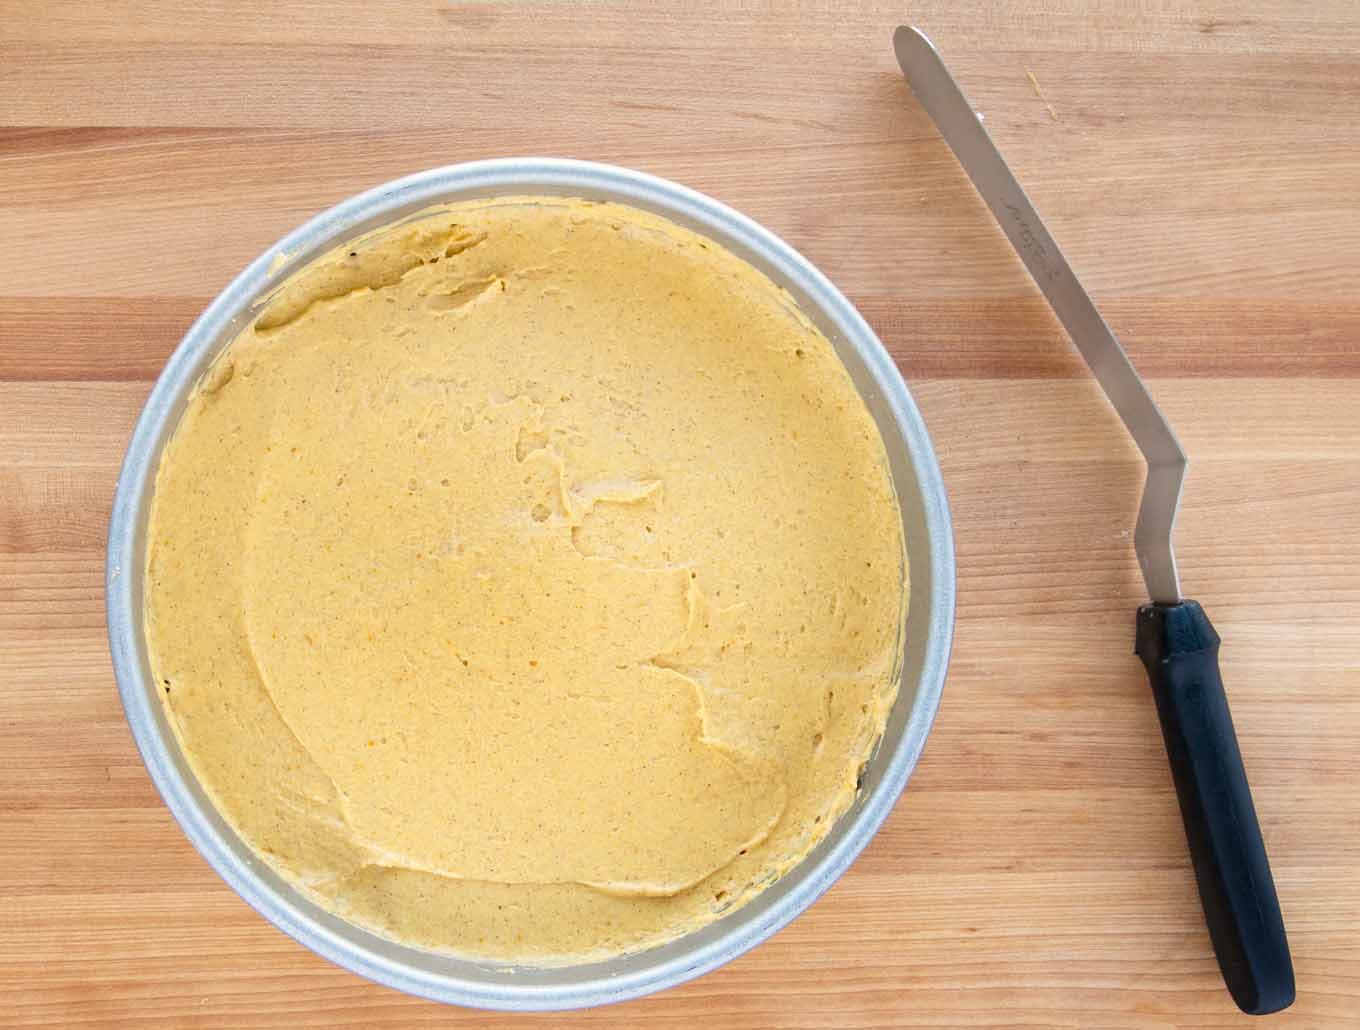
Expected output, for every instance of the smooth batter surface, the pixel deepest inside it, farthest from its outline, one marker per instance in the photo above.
(527, 582)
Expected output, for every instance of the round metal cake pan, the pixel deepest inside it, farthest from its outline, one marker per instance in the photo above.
(925, 518)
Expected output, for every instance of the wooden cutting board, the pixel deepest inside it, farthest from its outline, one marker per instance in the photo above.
(1199, 162)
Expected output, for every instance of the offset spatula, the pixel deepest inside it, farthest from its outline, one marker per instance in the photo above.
(1174, 638)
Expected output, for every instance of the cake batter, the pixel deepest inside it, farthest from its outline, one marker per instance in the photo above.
(527, 581)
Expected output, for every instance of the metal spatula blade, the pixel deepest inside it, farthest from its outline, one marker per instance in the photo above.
(1174, 638)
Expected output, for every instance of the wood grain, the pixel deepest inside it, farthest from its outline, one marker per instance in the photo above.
(1200, 164)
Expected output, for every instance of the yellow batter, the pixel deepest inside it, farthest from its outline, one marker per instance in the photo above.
(527, 582)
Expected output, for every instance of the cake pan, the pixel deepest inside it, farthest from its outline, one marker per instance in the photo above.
(929, 627)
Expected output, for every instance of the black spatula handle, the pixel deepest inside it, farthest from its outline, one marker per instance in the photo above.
(1180, 649)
